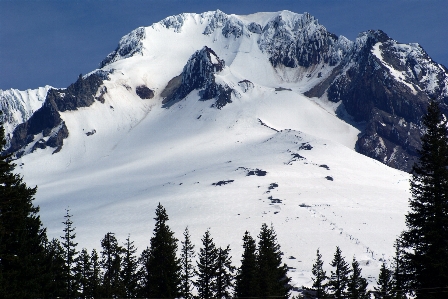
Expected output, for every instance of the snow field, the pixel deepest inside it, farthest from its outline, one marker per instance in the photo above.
(141, 154)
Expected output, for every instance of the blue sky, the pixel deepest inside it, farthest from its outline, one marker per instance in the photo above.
(51, 42)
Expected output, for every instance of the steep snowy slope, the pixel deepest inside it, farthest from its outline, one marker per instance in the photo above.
(317, 192)
(206, 115)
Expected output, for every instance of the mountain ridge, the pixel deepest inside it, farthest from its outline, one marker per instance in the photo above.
(301, 50)
(196, 100)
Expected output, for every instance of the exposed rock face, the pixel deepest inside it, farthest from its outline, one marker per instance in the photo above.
(384, 86)
(390, 139)
(18, 106)
(79, 94)
(246, 85)
(387, 85)
(144, 92)
(299, 40)
(129, 45)
(379, 82)
(45, 127)
(199, 74)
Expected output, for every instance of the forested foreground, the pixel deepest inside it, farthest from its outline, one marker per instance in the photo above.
(31, 266)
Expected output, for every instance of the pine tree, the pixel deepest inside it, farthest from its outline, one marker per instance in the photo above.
(70, 256)
(357, 285)
(144, 273)
(129, 272)
(54, 281)
(399, 275)
(246, 278)
(187, 266)
(426, 237)
(111, 264)
(272, 279)
(383, 290)
(84, 265)
(224, 274)
(22, 236)
(95, 278)
(320, 276)
(206, 268)
(163, 264)
(339, 277)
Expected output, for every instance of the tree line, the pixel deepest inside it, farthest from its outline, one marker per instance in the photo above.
(31, 266)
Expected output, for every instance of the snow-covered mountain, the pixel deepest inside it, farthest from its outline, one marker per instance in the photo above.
(231, 121)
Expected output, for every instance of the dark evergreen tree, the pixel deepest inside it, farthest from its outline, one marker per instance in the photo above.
(272, 279)
(187, 266)
(399, 275)
(357, 285)
(206, 268)
(383, 290)
(70, 256)
(54, 280)
(339, 277)
(129, 272)
(111, 263)
(163, 278)
(22, 236)
(246, 278)
(84, 265)
(426, 237)
(319, 277)
(224, 274)
(94, 287)
(144, 273)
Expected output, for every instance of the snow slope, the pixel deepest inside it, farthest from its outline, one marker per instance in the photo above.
(124, 156)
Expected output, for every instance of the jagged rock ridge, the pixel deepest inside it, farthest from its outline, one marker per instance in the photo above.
(198, 74)
(381, 85)
(46, 127)
(18, 106)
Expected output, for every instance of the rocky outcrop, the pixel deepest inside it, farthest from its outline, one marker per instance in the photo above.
(79, 94)
(382, 85)
(131, 44)
(294, 40)
(18, 106)
(390, 139)
(246, 85)
(385, 84)
(45, 128)
(199, 74)
(144, 92)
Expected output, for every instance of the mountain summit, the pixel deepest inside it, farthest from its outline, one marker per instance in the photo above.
(377, 84)
(231, 121)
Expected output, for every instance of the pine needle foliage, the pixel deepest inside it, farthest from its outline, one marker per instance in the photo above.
(357, 285)
(70, 255)
(426, 238)
(22, 236)
(224, 274)
(384, 287)
(338, 281)
(187, 266)
(246, 278)
(129, 270)
(111, 265)
(272, 279)
(163, 277)
(319, 277)
(206, 268)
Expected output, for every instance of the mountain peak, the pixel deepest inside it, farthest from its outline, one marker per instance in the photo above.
(371, 76)
(129, 45)
(199, 73)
